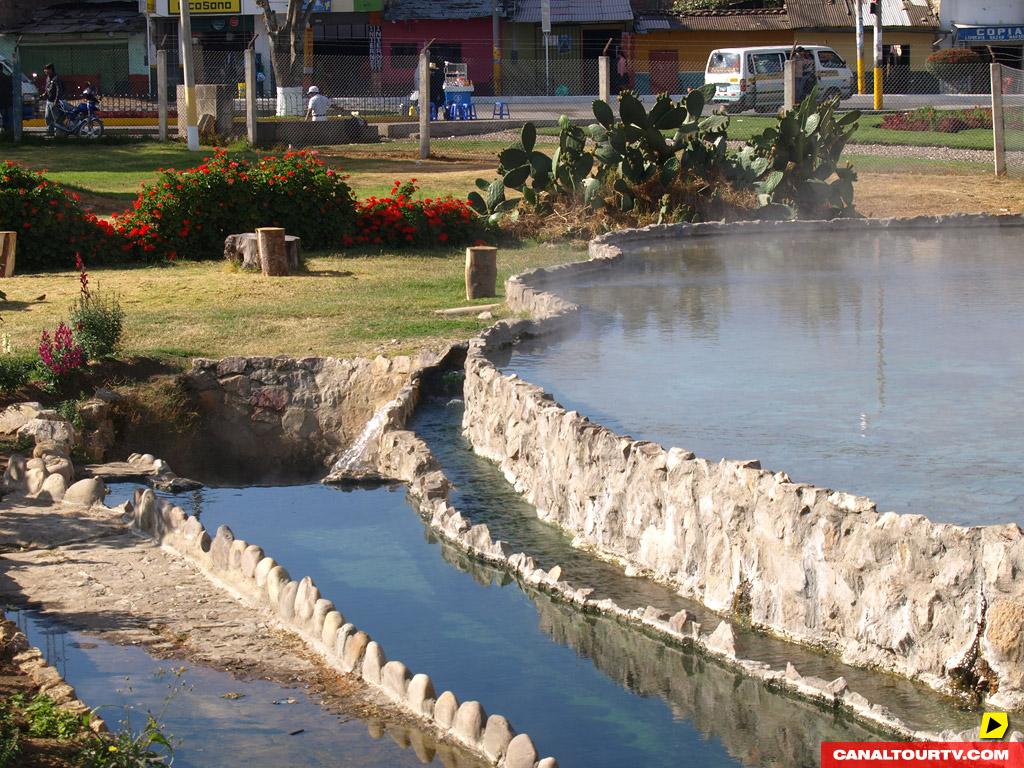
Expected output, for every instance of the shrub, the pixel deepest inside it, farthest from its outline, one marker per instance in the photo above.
(60, 356)
(15, 370)
(953, 63)
(50, 221)
(190, 212)
(98, 321)
(946, 120)
(400, 221)
(46, 720)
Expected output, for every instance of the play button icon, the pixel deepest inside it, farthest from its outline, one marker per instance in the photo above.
(994, 725)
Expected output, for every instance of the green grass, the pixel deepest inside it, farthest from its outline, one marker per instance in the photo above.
(343, 305)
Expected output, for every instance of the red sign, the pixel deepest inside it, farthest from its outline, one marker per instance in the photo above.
(233, 21)
(922, 754)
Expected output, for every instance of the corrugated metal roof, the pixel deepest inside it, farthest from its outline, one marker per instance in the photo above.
(407, 10)
(830, 14)
(740, 20)
(574, 11)
(82, 17)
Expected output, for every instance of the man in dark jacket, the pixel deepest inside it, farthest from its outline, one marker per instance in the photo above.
(53, 93)
(6, 102)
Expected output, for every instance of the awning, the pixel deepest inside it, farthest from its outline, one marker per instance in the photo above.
(969, 33)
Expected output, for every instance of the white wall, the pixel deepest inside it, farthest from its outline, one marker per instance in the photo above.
(981, 12)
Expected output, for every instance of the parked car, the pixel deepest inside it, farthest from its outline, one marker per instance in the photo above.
(29, 92)
(751, 78)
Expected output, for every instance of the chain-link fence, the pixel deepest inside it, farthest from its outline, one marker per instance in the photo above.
(1011, 113)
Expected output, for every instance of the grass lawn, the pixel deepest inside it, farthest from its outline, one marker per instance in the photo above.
(342, 306)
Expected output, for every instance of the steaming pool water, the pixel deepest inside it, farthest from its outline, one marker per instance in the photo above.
(885, 364)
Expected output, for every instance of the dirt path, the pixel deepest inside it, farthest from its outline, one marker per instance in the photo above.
(90, 572)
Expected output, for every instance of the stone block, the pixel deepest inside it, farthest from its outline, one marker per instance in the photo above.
(395, 679)
(497, 735)
(277, 578)
(251, 557)
(421, 697)
(220, 549)
(469, 722)
(321, 609)
(444, 710)
(34, 479)
(333, 621)
(548, 762)
(373, 663)
(286, 600)
(86, 492)
(355, 650)
(306, 596)
(238, 547)
(54, 488)
(520, 753)
(263, 568)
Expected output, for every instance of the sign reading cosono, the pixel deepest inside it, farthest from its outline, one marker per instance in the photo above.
(206, 6)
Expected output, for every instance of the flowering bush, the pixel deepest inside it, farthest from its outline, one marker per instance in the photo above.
(190, 212)
(50, 221)
(400, 221)
(98, 321)
(60, 356)
(946, 120)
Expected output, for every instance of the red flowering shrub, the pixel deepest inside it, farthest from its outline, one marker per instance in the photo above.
(399, 221)
(190, 212)
(50, 222)
(946, 120)
(61, 356)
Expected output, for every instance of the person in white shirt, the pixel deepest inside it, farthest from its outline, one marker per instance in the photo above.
(318, 104)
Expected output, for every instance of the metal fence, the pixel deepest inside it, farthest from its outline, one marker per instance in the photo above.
(1010, 114)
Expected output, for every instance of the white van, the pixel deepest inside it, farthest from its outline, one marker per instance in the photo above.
(751, 78)
(29, 93)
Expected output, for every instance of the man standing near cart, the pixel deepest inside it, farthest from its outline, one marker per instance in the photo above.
(53, 93)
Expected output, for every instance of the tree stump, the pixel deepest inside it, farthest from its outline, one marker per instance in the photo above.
(481, 271)
(8, 245)
(244, 251)
(273, 254)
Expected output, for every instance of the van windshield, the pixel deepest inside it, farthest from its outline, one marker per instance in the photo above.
(721, 62)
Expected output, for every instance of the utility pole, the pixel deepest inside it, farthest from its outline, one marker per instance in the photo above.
(191, 113)
(876, 9)
(859, 10)
(496, 48)
(545, 23)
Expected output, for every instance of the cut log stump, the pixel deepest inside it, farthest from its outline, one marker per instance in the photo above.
(481, 271)
(244, 251)
(8, 246)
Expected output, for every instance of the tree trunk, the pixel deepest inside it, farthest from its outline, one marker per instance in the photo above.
(8, 245)
(481, 271)
(273, 255)
(286, 58)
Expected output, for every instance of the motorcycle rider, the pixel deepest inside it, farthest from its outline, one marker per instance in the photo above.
(53, 93)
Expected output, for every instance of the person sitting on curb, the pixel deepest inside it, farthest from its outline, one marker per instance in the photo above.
(318, 105)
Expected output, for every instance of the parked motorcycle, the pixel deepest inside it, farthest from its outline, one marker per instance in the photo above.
(82, 119)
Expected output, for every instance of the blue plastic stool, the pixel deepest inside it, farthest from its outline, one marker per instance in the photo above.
(501, 110)
(467, 112)
(433, 111)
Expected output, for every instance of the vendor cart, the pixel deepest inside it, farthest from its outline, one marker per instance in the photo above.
(458, 92)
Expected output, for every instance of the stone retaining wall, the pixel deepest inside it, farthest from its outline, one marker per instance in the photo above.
(936, 602)
(285, 414)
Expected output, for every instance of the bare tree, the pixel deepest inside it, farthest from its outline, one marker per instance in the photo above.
(286, 40)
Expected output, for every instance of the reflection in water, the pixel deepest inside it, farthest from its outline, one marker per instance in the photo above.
(589, 691)
(884, 364)
(243, 731)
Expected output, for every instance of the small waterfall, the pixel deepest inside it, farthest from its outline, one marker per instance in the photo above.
(352, 458)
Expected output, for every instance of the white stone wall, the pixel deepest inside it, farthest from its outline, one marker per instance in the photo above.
(941, 603)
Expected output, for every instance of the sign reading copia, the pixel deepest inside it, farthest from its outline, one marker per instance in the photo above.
(206, 6)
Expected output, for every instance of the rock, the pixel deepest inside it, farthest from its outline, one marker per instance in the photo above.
(14, 475)
(722, 640)
(14, 417)
(34, 479)
(444, 710)
(277, 577)
(1004, 629)
(322, 608)
(497, 735)
(39, 429)
(520, 753)
(373, 663)
(286, 600)
(548, 762)
(837, 687)
(174, 484)
(53, 488)
(59, 465)
(395, 679)
(487, 315)
(678, 621)
(791, 672)
(86, 492)
(420, 696)
(263, 567)
(652, 614)
(238, 547)
(220, 550)
(469, 722)
(251, 557)
(333, 621)
(305, 600)
(355, 649)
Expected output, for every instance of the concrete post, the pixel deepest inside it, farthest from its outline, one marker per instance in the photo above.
(17, 108)
(789, 83)
(161, 93)
(188, 70)
(424, 72)
(879, 88)
(250, 96)
(604, 78)
(998, 120)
